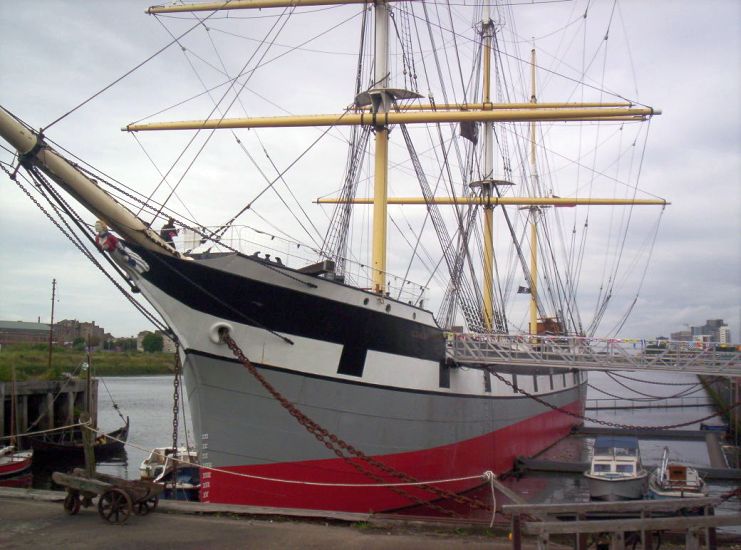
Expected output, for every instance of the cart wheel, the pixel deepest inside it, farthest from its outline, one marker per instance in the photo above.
(72, 502)
(143, 507)
(114, 506)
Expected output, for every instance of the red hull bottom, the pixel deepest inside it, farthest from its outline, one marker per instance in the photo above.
(495, 451)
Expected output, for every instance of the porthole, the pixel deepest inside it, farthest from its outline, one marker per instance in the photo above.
(365, 302)
(414, 315)
(388, 308)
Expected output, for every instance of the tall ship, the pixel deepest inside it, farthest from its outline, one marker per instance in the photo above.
(318, 375)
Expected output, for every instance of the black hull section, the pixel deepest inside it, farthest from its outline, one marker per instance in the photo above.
(296, 310)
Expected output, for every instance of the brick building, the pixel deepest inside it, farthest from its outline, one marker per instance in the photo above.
(69, 330)
(20, 332)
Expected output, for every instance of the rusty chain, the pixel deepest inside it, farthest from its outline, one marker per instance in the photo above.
(606, 422)
(339, 447)
(175, 423)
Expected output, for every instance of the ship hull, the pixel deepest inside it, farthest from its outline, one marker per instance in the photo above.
(369, 370)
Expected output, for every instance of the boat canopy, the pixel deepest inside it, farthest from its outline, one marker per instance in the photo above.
(607, 445)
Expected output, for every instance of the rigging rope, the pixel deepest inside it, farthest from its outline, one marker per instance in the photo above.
(119, 79)
(78, 244)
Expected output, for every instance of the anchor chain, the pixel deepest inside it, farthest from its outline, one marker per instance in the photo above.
(175, 421)
(606, 422)
(339, 446)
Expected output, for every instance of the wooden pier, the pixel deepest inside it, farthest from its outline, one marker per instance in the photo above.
(620, 524)
(43, 405)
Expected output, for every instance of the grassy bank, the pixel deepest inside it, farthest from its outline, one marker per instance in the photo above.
(31, 361)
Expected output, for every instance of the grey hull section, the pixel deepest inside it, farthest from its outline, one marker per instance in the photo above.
(239, 423)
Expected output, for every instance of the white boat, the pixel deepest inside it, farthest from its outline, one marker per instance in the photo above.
(345, 377)
(159, 467)
(675, 480)
(160, 461)
(616, 471)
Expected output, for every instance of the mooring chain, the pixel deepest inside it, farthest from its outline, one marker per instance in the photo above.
(731, 494)
(332, 442)
(606, 422)
(175, 422)
(658, 383)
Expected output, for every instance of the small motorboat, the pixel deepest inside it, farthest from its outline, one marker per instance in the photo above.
(675, 480)
(13, 462)
(616, 472)
(159, 467)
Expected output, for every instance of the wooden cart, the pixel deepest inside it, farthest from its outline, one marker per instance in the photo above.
(118, 498)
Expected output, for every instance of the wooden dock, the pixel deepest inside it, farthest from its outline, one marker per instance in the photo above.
(620, 524)
(43, 405)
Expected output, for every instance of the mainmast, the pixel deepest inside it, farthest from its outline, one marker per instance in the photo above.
(380, 105)
(487, 29)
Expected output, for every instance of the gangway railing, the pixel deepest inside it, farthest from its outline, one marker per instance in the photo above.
(613, 403)
(569, 352)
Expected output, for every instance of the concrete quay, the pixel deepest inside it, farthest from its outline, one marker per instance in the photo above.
(36, 519)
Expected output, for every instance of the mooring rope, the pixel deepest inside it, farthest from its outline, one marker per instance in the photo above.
(485, 476)
(26, 434)
(490, 477)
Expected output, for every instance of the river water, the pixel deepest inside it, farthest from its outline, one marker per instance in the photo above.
(148, 401)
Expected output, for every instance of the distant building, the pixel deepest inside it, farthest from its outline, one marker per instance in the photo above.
(681, 336)
(724, 335)
(712, 330)
(20, 332)
(69, 330)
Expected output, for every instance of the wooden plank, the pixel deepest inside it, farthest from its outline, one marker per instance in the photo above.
(80, 483)
(636, 524)
(664, 505)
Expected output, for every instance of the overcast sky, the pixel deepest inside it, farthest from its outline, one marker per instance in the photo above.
(685, 57)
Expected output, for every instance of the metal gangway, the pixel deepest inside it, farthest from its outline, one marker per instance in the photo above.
(570, 352)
